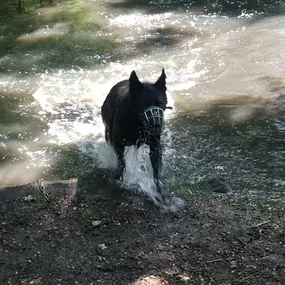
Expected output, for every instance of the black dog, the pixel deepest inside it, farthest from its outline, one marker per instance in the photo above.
(133, 114)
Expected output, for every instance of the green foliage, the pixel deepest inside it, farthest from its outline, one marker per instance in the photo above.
(88, 211)
(101, 246)
(29, 198)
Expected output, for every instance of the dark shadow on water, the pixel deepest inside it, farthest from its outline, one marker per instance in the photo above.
(223, 7)
(156, 42)
(19, 123)
(248, 156)
(167, 37)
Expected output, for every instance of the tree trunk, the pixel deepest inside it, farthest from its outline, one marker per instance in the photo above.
(20, 8)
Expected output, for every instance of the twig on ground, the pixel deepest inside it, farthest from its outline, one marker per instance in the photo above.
(245, 278)
(45, 194)
(260, 224)
(214, 260)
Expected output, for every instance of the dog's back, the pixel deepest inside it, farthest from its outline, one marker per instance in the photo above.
(112, 102)
(121, 123)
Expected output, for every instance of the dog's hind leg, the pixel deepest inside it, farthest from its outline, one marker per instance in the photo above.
(108, 135)
(120, 149)
(107, 117)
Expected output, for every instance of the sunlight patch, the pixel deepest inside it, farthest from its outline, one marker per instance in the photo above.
(45, 34)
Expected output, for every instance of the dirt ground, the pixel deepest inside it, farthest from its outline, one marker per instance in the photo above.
(105, 235)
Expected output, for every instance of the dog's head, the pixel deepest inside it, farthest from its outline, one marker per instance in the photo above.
(149, 100)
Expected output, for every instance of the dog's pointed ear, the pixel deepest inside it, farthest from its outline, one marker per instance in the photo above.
(135, 84)
(160, 84)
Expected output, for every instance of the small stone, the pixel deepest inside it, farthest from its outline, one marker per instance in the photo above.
(184, 277)
(150, 280)
(96, 223)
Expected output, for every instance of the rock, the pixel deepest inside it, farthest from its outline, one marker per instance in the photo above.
(150, 280)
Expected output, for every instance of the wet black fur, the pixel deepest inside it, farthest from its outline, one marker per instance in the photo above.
(122, 113)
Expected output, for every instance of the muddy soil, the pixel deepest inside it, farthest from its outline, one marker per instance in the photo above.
(105, 235)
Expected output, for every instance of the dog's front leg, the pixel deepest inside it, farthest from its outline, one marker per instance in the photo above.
(155, 158)
(120, 148)
(156, 162)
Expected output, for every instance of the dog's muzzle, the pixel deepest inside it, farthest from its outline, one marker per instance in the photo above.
(154, 118)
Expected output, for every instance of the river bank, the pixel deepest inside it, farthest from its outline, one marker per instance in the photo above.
(104, 235)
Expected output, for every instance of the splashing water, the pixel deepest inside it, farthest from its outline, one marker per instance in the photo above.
(82, 119)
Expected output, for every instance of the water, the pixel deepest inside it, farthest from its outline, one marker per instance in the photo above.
(225, 79)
